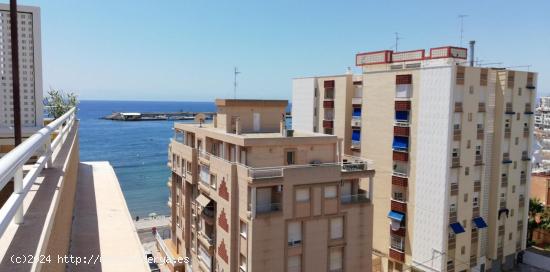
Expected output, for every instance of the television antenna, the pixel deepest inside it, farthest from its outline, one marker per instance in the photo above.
(396, 40)
(235, 73)
(461, 18)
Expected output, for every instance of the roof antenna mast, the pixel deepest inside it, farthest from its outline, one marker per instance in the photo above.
(235, 73)
(461, 17)
(396, 40)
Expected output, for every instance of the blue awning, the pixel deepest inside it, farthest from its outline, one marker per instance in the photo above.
(480, 223)
(402, 115)
(457, 228)
(356, 135)
(400, 143)
(356, 112)
(396, 216)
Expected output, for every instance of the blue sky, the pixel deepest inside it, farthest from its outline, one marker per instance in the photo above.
(186, 50)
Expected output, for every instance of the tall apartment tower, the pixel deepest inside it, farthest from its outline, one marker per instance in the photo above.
(452, 147)
(334, 105)
(30, 69)
(249, 195)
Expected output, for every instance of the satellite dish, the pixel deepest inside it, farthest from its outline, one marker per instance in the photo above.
(199, 118)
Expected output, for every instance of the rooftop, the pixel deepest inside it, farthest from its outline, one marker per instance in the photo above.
(250, 103)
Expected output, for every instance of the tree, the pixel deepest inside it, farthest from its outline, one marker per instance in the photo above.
(535, 207)
(58, 102)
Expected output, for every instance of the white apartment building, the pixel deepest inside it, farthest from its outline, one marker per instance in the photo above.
(452, 146)
(30, 63)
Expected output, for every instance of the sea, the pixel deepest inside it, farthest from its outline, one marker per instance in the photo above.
(138, 151)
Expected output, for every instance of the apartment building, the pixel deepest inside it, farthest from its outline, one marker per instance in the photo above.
(542, 114)
(452, 147)
(248, 194)
(334, 105)
(30, 69)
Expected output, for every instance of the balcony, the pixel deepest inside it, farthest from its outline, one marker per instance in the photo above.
(525, 156)
(328, 123)
(475, 236)
(399, 179)
(400, 130)
(458, 106)
(481, 107)
(355, 145)
(457, 134)
(452, 216)
(399, 206)
(480, 133)
(356, 121)
(328, 104)
(507, 132)
(209, 240)
(263, 208)
(526, 132)
(504, 181)
(500, 252)
(506, 158)
(520, 225)
(329, 94)
(455, 162)
(454, 188)
(478, 160)
(501, 230)
(528, 108)
(397, 255)
(509, 109)
(451, 242)
(361, 197)
(477, 186)
(522, 201)
(356, 101)
(523, 178)
(475, 211)
(473, 261)
(502, 205)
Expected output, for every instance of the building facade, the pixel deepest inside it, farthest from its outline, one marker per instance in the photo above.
(30, 69)
(249, 195)
(452, 147)
(334, 105)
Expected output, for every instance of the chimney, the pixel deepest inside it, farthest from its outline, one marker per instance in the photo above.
(472, 44)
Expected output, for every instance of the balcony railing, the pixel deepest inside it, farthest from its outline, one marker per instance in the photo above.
(458, 106)
(521, 201)
(457, 134)
(452, 216)
(356, 121)
(481, 107)
(268, 207)
(454, 188)
(525, 132)
(356, 100)
(11, 165)
(479, 160)
(354, 198)
(528, 109)
(480, 133)
(506, 157)
(504, 181)
(509, 108)
(355, 144)
(455, 162)
(525, 156)
(500, 230)
(477, 186)
(523, 178)
(399, 206)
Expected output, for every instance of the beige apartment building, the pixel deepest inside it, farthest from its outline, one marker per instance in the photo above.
(248, 194)
(452, 147)
(334, 103)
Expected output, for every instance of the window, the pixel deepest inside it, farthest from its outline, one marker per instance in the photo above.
(452, 207)
(330, 191)
(335, 259)
(244, 229)
(290, 157)
(302, 195)
(467, 171)
(475, 200)
(510, 236)
(294, 233)
(465, 197)
(455, 152)
(470, 117)
(462, 250)
(294, 264)
(460, 75)
(337, 228)
(213, 182)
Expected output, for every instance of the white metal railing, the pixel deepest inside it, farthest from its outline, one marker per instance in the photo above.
(11, 165)
(164, 248)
